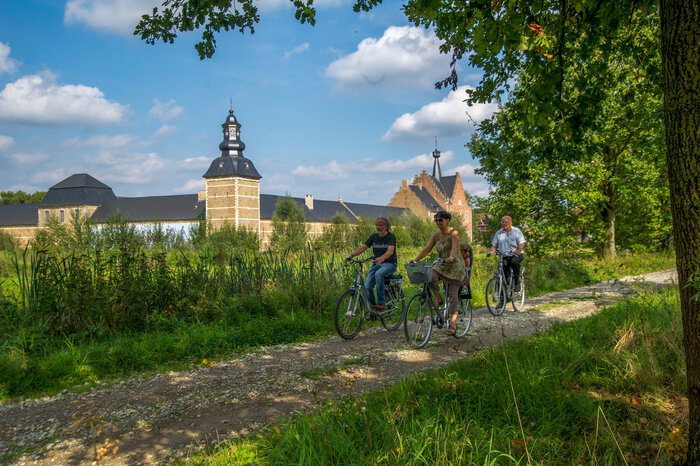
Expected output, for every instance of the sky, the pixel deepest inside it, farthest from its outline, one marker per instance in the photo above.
(346, 108)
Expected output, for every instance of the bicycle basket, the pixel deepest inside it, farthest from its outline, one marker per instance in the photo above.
(419, 272)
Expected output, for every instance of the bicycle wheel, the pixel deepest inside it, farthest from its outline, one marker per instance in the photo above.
(348, 314)
(392, 316)
(419, 321)
(495, 297)
(464, 317)
(519, 296)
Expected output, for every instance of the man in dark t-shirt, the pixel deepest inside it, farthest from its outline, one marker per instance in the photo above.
(383, 246)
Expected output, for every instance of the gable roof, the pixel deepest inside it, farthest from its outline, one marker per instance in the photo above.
(448, 185)
(153, 208)
(78, 189)
(323, 211)
(19, 214)
(426, 198)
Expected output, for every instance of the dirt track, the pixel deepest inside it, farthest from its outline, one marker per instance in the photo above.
(167, 415)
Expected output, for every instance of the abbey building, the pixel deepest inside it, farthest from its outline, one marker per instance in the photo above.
(232, 195)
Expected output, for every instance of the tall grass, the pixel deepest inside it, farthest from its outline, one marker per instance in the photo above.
(597, 391)
(84, 291)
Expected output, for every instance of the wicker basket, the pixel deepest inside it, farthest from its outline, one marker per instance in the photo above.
(419, 272)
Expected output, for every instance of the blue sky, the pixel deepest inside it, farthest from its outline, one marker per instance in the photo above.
(346, 108)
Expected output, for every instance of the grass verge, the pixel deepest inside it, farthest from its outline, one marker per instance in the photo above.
(607, 389)
(31, 366)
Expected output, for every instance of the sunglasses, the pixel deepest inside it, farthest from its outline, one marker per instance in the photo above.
(439, 219)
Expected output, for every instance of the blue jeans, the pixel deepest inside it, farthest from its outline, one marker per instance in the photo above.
(376, 276)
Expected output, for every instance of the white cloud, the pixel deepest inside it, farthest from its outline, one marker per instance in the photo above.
(200, 161)
(165, 111)
(23, 158)
(49, 177)
(417, 163)
(333, 170)
(404, 56)
(268, 5)
(120, 16)
(192, 185)
(7, 64)
(38, 99)
(164, 131)
(128, 167)
(103, 141)
(451, 117)
(6, 142)
(298, 49)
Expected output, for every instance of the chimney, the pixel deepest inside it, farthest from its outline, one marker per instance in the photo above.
(404, 183)
(202, 195)
(309, 201)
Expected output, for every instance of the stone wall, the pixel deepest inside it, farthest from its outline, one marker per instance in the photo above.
(406, 198)
(234, 200)
(64, 213)
(313, 230)
(22, 234)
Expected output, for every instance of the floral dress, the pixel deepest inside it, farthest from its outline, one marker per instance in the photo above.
(455, 270)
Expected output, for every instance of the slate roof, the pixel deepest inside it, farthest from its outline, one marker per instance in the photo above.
(19, 214)
(441, 187)
(426, 198)
(448, 184)
(227, 165)
(78, 189)
(183, 207)
(323, 211)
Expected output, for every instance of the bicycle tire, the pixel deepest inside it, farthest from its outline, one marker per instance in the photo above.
(349, 314)
(392, 316)
(495, 295)
(518, 299)
(418, 323)
(464, 317)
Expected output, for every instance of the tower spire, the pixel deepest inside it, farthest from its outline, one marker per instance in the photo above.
(437, 174)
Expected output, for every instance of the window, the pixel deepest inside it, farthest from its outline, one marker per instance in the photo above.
(61, 216)
(77, 213)
(47, 215)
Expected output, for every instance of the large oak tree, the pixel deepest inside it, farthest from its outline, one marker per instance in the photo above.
(505, 38)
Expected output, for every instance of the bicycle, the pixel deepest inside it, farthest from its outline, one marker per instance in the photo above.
(419, 318)
(353, 306)
(498, 294)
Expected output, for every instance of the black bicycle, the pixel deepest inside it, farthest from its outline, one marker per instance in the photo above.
(499, 291)
(422, 312)
(353, 307)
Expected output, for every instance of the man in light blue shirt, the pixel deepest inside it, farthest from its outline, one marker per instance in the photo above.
(510, 241)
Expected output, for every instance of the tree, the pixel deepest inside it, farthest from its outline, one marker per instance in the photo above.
(20, 197)
(506, 39)
(581, 189)
(288, 225)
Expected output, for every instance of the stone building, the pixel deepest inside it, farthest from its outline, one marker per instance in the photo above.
(429, 193)
(231, 195)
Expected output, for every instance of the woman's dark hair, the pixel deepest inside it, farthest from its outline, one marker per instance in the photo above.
(443, 214)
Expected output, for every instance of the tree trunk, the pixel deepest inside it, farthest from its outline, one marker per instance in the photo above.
(609, 248)
(680, 49)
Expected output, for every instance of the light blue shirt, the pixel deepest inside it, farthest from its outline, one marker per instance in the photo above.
(507, 243)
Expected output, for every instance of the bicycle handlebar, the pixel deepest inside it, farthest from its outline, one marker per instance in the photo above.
(357, 261)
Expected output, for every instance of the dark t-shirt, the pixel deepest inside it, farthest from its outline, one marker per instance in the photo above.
(380, 244)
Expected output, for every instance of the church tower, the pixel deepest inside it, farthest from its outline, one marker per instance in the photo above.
(233, 183)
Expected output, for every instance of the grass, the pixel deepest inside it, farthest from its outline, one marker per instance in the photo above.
(34, 362)
(607, 389)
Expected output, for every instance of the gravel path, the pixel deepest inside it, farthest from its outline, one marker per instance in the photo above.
(167, 415)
